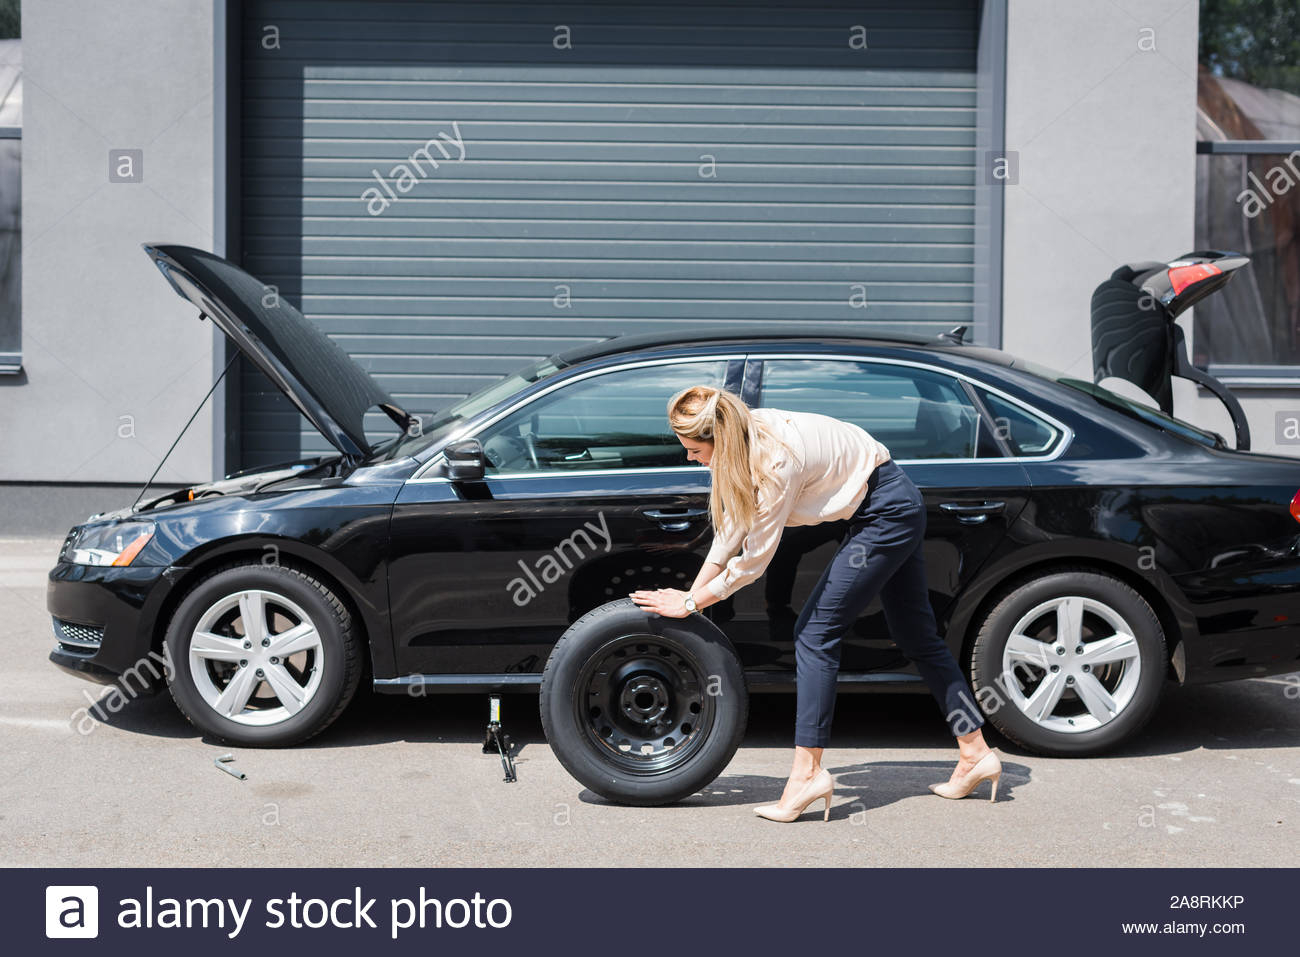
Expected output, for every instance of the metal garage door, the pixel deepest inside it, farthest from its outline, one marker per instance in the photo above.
(603, 168)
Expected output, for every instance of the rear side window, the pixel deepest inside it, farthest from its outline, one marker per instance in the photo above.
(1027, 434)
(917, 413)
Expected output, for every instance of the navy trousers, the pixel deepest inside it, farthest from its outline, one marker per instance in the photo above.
(880, 554)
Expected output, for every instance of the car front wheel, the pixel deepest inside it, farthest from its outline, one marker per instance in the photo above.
(262, 655)
(1069, 663)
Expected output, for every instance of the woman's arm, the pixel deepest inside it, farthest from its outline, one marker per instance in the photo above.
(704, 597)
(725, 544)
(670, 602)
(708, 572)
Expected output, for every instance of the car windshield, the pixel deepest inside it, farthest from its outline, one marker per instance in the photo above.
(408, 443)
(1137, 410)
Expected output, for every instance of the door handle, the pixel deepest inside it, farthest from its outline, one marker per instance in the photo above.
(674, 520)
(972, 514)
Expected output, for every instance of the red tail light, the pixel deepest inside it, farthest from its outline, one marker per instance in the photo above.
(1180, 277)
(1295, 506)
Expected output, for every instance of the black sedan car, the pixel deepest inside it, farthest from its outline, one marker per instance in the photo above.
(1084, 550)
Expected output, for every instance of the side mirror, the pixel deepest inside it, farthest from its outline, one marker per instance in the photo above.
(465, 460)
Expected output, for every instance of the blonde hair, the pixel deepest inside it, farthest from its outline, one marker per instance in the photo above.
(744, 449)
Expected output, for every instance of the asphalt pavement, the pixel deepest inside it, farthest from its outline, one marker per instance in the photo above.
(1213, 780)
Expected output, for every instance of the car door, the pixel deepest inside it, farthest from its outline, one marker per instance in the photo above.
(932, 424)
(588, 495)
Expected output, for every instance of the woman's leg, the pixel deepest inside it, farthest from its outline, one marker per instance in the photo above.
(807, 762)
(876, 543)
(970, 748)
(910, 617)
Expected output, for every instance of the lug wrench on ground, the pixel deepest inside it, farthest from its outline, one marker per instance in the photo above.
(222, 760)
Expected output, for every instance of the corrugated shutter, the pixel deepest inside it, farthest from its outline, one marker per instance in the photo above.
(676, 163)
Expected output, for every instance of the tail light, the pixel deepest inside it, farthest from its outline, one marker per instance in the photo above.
(1180, 277)
(1295, 505)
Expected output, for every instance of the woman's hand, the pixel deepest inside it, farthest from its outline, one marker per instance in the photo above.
(669, 602)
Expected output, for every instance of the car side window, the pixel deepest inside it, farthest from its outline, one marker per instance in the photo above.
(608, 421)
(1026, 434)
(917, 413)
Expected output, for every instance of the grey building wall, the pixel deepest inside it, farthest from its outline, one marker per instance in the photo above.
(1104, 132)
(1101, 113)
(114, 362)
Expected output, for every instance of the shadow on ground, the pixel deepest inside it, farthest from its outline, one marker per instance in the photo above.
(858, 787)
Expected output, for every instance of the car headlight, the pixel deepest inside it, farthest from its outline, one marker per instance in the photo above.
(109, 544)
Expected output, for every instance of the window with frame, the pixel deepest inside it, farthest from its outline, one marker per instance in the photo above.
(612, 420)
(917, 413)
(1025, 433)
(1248, 185)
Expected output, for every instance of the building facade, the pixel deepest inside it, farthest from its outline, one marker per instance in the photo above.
(453, 189)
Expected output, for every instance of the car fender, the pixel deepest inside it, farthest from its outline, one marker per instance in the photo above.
(346, 543)
(1016, 560)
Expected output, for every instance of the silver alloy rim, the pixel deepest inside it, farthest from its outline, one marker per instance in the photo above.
(256, 658)
(1071, 664)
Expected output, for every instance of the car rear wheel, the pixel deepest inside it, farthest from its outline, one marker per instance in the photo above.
(262, 655)
(641, 709)
(1070, 663)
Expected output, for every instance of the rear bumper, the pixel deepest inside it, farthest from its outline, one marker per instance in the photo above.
(1248, 623)
(104, 620)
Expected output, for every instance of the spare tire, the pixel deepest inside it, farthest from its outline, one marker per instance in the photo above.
(642, 709)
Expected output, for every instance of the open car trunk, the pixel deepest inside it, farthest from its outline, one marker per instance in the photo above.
(1134, 336)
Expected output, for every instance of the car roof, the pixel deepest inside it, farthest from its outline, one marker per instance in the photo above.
(765, 332)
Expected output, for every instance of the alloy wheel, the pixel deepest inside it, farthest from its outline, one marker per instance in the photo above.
(1071, 664)
(255, 657)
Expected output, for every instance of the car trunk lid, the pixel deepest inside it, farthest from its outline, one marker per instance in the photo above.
(1134, 336)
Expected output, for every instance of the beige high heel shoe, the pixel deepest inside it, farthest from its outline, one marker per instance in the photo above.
(988, 766)
(820, 785)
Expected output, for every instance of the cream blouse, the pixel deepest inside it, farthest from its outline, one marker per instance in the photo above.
(824, 482)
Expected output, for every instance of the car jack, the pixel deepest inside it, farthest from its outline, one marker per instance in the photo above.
(497, 740)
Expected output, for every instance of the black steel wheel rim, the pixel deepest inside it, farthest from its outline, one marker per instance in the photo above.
(644, 704)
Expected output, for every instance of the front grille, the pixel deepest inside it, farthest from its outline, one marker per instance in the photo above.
(77, 637)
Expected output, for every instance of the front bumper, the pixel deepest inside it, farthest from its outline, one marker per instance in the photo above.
(105, 620)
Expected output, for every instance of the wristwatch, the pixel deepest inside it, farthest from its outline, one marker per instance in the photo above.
(690, 604)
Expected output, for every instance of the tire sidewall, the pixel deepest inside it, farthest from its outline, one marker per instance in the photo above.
(334, 637)
(986, 663)
(714, 655)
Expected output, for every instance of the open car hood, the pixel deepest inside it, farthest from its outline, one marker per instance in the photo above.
(322, 380)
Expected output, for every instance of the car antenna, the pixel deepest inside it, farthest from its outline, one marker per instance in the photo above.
(163, 460)
(956, 334)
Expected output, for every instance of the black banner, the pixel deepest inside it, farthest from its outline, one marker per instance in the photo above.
(652, 911)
